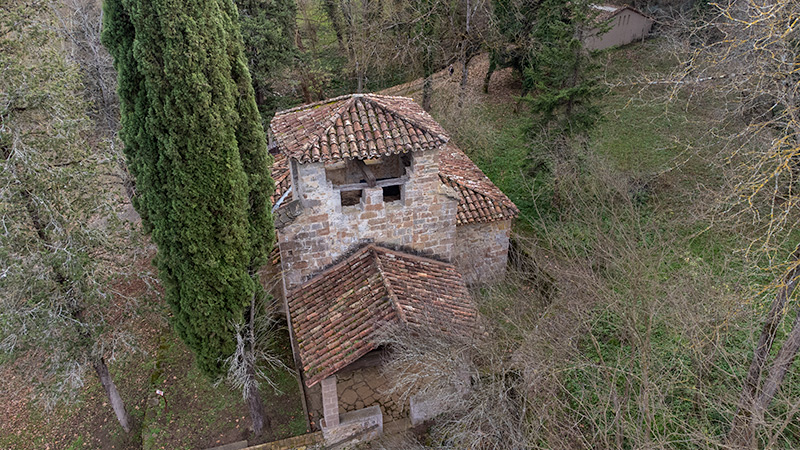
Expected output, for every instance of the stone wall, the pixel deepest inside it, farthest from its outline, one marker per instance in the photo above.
(423, 220)
(355, 427)
(481, 250)
(302, 442)
(314, 402)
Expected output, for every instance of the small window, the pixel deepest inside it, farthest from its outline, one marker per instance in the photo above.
(391, 193)
(351, 198)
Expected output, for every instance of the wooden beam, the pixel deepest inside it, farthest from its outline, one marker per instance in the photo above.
(379, 183)
(366, 171)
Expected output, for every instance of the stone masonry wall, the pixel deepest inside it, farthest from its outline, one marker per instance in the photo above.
(481, 250)
(423, 220)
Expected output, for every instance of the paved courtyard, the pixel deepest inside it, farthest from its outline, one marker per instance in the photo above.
(366, 387)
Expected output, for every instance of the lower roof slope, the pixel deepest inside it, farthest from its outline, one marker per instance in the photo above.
(481, 201)
(336, 315)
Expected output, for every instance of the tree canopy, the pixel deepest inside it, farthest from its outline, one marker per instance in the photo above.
(58, 312)
(268, 28)
(197, 150)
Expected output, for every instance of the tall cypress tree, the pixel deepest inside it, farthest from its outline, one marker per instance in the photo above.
(196, 148)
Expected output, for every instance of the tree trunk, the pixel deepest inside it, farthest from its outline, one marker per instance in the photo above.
(777, 372)
(464, 78)
(427, 85)
(742, 432)
(359, 79)
(794, 163)
(331, 11)
(261, 94)
(304, 82)
(492, 67)
(113, 395)
(256, 406)
(466, 55)
(576, 68)
(427, 91)
(310, 26)
(252, 394)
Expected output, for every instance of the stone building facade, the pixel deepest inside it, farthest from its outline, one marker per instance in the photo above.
(380, 220)
(426, 195)
(421, 218)
(481, 250)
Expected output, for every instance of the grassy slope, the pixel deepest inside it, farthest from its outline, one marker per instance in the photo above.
(678, 310)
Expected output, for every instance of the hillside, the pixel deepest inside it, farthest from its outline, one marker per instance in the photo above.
(643, 263)
(631, 315)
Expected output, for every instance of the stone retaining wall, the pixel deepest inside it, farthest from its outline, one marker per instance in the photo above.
(303, 442)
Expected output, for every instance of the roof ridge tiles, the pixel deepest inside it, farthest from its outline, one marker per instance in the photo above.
(388, 283)
(370, 124)
(313, 104)
(444, 138)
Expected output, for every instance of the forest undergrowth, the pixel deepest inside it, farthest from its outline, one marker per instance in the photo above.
(631, 307)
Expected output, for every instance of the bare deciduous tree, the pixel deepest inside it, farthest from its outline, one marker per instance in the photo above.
(80, 23)
(59, 240)
(753, 58)
(588, 344)
(471, 380)
(252, 362)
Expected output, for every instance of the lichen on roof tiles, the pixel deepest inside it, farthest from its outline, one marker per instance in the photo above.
(359, 126)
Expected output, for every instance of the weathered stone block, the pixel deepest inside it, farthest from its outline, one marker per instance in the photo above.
(481, 250)
(356, 426)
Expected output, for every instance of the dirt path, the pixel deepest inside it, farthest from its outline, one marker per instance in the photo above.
(503, 87)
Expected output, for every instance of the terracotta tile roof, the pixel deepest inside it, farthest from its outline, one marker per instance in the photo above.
(336, 314)
(280, 171)
(360, 126)
(280, 174)
(481, 200)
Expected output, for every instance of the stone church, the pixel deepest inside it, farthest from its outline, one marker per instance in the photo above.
(379, 219)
